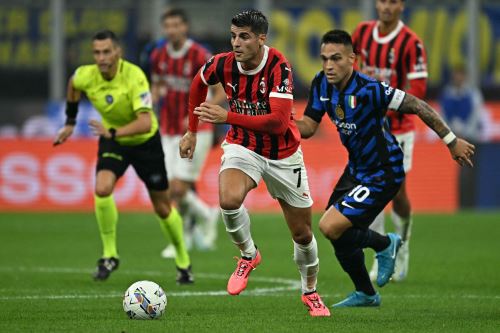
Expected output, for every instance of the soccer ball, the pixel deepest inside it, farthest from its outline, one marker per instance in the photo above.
(144, 300)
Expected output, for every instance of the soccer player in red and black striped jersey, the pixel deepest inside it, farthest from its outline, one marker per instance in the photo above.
(263, 143)
(389, 51)
(173, 67)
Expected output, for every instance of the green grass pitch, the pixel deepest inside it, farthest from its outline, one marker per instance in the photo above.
(46, 261)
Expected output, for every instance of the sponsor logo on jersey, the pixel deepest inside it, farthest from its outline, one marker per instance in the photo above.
(247, 108)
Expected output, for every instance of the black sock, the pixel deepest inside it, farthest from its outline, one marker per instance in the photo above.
(363, 238)
(354, 265)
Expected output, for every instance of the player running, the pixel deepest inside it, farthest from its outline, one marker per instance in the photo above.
(263, 143)
(356, 104)
(389, 51)
(128, 135)
(173, 67)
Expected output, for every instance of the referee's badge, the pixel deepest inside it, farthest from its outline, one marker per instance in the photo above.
(109, 99)
(339, 112)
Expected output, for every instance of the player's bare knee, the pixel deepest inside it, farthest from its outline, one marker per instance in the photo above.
(303, 238)
(103, 190)
(329, 230)
(230, 202)
(162, 209)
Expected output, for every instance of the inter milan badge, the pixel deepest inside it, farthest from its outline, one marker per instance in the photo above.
(109, 99)
(339, 112)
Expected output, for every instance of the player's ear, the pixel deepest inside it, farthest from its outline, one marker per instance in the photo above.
(262, 39)
(352, 58)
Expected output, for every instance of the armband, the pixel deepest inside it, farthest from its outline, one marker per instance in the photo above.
(71, 112)
(449, 138)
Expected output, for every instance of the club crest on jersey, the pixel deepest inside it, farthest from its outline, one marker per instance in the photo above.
(351, 100)
(262, 86)
(339, 112)
(109, 99)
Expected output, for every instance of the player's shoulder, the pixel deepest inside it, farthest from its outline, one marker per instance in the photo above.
(319, 77)
(365, 25)
(413, 38)
(365, 82)
(199, 47)
(276, 54)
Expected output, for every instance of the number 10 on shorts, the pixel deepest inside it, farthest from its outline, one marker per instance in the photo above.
(359, 193)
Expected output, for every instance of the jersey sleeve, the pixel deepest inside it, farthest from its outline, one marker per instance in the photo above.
(415, 60)
(140, 94)
(385, 97)
(314, 108)
(81, 77)
(282, 81)
(208, 72)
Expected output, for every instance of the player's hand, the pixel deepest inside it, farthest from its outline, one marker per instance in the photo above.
(63, 134)
(98, 129)
(462, 152)
(187, 145)
(211, 113)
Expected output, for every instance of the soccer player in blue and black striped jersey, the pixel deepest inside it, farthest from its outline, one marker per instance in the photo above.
(356, 104)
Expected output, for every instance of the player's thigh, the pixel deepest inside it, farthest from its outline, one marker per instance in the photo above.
(112, 162)
(286, 179)
(240, 171)
(406, 142)
(333, 223)
(189, 170)
(170, 144)
(298, 221)
(364, 201)
(148, 161)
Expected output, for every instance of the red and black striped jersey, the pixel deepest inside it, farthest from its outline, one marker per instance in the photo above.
(395, 58)
(174, 70)
(249, 92)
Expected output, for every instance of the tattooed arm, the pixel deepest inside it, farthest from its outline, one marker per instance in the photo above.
(461, 150)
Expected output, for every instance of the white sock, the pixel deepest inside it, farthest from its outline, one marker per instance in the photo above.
(402, 225)
(238, 227)
(306, 258)
(378, 224)
(196, 206)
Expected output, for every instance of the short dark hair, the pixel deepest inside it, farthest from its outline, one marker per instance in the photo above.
(251, 18)
(106, 34)
(337, 36)
(175, 12)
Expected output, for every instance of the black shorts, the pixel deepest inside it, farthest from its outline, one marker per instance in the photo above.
(362, 202)
(147, 159)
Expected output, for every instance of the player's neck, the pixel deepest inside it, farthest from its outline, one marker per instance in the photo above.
(178, 44)
(255, 62)
(385, 28)
(343, 84)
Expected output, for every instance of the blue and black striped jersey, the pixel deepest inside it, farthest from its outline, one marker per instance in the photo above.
(358, 112)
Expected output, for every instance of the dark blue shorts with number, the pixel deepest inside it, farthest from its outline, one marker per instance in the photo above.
(359, 201)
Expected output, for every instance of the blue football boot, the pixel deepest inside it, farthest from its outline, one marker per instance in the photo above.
(387, 259)
(359, 298)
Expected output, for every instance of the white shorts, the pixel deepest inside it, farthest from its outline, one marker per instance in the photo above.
(406, 142)
(285, 179)
(183, 168)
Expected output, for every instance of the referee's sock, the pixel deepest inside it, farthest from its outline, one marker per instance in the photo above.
(107, 218)
(172, 227)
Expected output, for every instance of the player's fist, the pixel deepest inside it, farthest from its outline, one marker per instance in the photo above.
(462, 152)
(63, 134)
(187, 145)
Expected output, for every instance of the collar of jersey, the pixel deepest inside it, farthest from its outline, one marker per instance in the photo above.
(258, 68)
(176, 54)
(387, 38)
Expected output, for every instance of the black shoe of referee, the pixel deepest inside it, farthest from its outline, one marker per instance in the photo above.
(184, 276)
(104, 268)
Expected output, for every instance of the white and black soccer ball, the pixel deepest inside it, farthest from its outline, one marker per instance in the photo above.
(144, 300)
